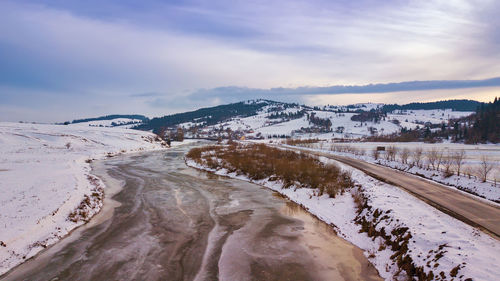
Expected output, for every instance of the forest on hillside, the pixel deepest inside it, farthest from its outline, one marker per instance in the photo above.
(482, 127)
(111, 117)
(456, 105)
(206, 116)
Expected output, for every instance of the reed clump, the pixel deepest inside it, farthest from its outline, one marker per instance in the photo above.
(259, 161)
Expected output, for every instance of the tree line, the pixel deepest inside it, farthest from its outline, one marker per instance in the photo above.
(482, 127)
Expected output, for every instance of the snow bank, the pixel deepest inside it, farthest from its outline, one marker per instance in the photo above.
(475, 252)
(45, 182)
(438, 243)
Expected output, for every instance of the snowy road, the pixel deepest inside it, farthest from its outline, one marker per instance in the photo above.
(461, 206)
(171, 222)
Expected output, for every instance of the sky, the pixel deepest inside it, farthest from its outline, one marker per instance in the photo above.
(67, 59)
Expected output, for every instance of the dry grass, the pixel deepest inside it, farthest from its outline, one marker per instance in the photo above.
(259, 161)
(89, 203)
(301, 141)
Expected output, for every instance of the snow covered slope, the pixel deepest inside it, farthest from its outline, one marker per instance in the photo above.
(277, 119)
(46, 188)
(413, 118)
(125, 123)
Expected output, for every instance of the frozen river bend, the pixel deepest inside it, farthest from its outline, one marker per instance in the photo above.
(170, 222)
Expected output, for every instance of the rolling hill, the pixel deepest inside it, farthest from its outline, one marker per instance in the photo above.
(267, 118)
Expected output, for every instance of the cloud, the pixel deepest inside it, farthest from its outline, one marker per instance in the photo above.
(146, 95)
(240, 93)
(156, 55)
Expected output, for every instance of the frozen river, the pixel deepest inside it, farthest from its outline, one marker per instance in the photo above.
(165, 221)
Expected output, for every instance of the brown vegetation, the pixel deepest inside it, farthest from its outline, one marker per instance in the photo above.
(375, 153)
(88, 205)
(417, 157)
(405, 153)
(485, 168)
(458, 159)
(300, 141)
(391, 153)
(259, 161)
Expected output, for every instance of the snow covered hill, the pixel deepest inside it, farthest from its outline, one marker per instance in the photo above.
(115, 120)
(45, 181)
(277, 119)
(125, 123)
(259, 119)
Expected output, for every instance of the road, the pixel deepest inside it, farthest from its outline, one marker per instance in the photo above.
(164, 221)
(472, 211)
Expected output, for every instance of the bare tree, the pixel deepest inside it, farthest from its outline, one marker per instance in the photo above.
(387, 154)
(447, 164)
(497, 176)
(405, 153)
(417, 156)
(468, 171)
(179, 136)
(432, 157)
(485, 168)
(375, 153)
(439, 159)
(394, 153)
(391, 153)
(162, 132)
(458, 160)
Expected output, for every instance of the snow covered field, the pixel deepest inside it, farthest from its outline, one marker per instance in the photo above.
(45, 181)
(468, 181)
(435, 241)
(411, 118)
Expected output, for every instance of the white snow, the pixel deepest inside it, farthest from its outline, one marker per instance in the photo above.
(363, 106)
(44, 177)
(123, 123)
(413, 118)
